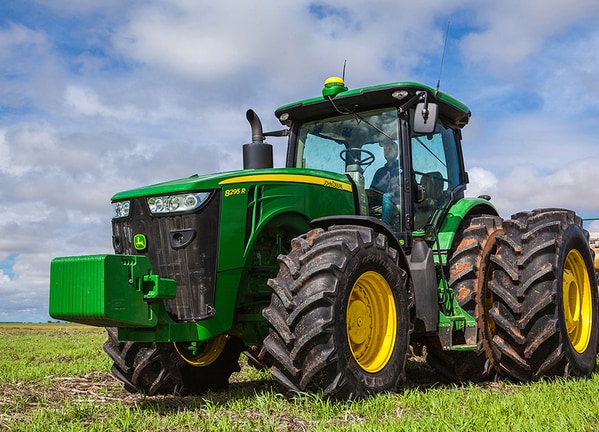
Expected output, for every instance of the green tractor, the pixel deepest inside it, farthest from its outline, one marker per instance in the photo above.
(329, 269)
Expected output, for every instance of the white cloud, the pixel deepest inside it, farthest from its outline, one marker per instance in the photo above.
(4, 279)
(482, 182)
(206, 41)
(567, 74)
(282, 46)
(570, 187)
(593, 227)
(86, 101)
(25, 298)
(511, 30)
(17, 37)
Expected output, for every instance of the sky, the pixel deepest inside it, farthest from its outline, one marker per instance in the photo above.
(100, 96)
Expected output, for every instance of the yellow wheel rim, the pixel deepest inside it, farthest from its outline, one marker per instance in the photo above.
(371, 321)
(578, 304)
(201, 354)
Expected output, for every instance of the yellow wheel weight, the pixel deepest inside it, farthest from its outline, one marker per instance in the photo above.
(371, 322)
(577, 300)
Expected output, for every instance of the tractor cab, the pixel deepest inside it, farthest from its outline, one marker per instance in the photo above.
(398, 143)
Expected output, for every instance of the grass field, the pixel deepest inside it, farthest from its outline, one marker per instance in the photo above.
(56, 378)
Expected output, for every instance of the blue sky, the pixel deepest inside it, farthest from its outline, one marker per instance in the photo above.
(92, 90)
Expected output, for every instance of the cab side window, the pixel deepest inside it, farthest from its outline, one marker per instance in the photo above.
(435, 165)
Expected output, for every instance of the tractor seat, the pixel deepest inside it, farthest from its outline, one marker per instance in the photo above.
(432, 184)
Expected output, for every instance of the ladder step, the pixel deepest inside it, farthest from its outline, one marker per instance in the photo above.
(464, 347)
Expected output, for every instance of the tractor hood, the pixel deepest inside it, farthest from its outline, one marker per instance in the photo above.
(229, 178)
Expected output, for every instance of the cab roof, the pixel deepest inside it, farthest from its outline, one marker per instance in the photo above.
(452, 111)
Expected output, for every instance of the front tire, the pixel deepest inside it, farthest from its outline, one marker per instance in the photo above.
(179, 369)
(546, 308)
(339, 314)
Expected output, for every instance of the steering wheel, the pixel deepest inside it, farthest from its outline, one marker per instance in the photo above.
(363, 162)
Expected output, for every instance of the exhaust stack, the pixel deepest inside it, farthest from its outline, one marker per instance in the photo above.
(258, 154)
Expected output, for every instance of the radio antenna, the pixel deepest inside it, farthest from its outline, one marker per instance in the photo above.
(443, 56)
(343, 76)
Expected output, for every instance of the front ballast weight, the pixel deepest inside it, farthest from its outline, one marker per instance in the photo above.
(107, 290)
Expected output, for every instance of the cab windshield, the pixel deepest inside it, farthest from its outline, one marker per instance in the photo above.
(363, 145)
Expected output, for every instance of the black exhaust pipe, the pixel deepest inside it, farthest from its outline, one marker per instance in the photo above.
(258, 154)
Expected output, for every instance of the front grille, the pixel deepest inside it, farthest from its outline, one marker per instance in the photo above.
(181, 247)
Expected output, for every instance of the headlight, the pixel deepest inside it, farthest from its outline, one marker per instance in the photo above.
(177, 203)
(120, 209)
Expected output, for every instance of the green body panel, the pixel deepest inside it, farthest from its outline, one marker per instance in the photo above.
(263, 196)
(278, 205)
(456, 214)
(451, 316)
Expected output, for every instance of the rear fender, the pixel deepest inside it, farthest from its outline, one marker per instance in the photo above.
(456, 214)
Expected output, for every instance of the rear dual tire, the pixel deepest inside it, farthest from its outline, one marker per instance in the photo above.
(546, 300)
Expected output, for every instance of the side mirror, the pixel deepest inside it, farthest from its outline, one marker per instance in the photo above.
(425, 118)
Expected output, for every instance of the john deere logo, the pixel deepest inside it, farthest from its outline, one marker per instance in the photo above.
(140, 242)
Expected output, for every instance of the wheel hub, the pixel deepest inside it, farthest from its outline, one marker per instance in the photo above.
(201, 354)
(371, 321)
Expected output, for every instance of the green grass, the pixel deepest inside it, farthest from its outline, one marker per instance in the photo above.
(37, 355)
(57, 379)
